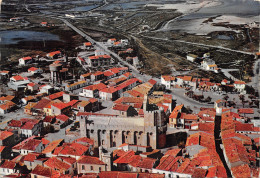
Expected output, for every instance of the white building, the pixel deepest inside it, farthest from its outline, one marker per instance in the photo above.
(191, 57)
(34, 70)
(209, 64)
(25, 60)
(240, 86)
(168, 81)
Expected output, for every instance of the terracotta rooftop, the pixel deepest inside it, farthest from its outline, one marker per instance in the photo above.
(121, 107)
(5, 134)
(45, 171)
(55, 163)
(90, 160)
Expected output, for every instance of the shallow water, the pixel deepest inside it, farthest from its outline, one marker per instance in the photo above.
(16, 36)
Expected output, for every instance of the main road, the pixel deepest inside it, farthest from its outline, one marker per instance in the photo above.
(143, 77)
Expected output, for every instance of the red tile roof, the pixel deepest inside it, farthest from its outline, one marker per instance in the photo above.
(15, 123)
(45, 171)
(56, 95)
(90, 160)
(147, 163)
(84, 141)
(5, 134)
(52, 146)
(8, 164)
(28, 144)
(61, 105)
(121, 107)
(173, 152)
(2, 148)
(26, 58)
(51, 54)
(87, 44)
(74, 149)
(32, 69)
(28, 125)
(239, 82)
(99, 87)
(241, 171)
(109, 90)
(55, 163)
(124, 159)
(94, 114)
(62, 117)
(31, 157)
(246, 111)
(17, 77)
(151, 81)
(244, 127)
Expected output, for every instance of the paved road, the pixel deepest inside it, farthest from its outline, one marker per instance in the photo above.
(143, 77)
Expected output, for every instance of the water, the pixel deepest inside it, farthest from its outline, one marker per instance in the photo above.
(83, 8)
(224, 37)
(16, 36)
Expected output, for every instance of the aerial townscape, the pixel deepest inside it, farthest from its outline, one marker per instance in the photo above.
(129, 89)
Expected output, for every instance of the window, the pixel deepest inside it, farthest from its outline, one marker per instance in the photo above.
(99, 169)
(83, 167)
(91, 168)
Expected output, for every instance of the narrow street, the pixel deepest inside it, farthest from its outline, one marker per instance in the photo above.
(218, 141)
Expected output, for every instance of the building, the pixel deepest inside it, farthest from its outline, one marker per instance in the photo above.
(54, 55)
(168, 81)
(209, 64)
(33, 86)
(92, 91)
(100, 60)
(240, 86)
(112, 130)
(34, 70)
(89, 164)
(25, 60)
(191, 57)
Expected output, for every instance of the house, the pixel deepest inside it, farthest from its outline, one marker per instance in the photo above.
(28, 108)
(33, 86)
(58, 95)
(168, 81)
(34, 70)
(108, 75)
(46, 89)
(88, 45)
(48, 151)
(44, 24)
(225, 82)
(187, 119)
(30, 127)
(25, 60)
(44, 172)
(209, 64)
(3, 99)
(60, 108)
(7, 138)
(108, 94)
(192, 57)
(89, 164)
(74, 150)
(17, 78)
(28, 99)
(136, 62)
(39, 107)
(8, 167)
(111, 41)
(125, 110)
(240, 86)
(29, 160)
(8, 106)
(61, 122)
(97, 76)
(219, 105)
(100, 60)
(31, 144)
(56, 164)
(92, 91)
(85, 76)
(54, 55)
(84, 106)
(4, 74)
(76, 85)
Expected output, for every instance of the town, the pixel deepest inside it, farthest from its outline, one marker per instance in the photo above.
(100, 111)
(113, 118)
